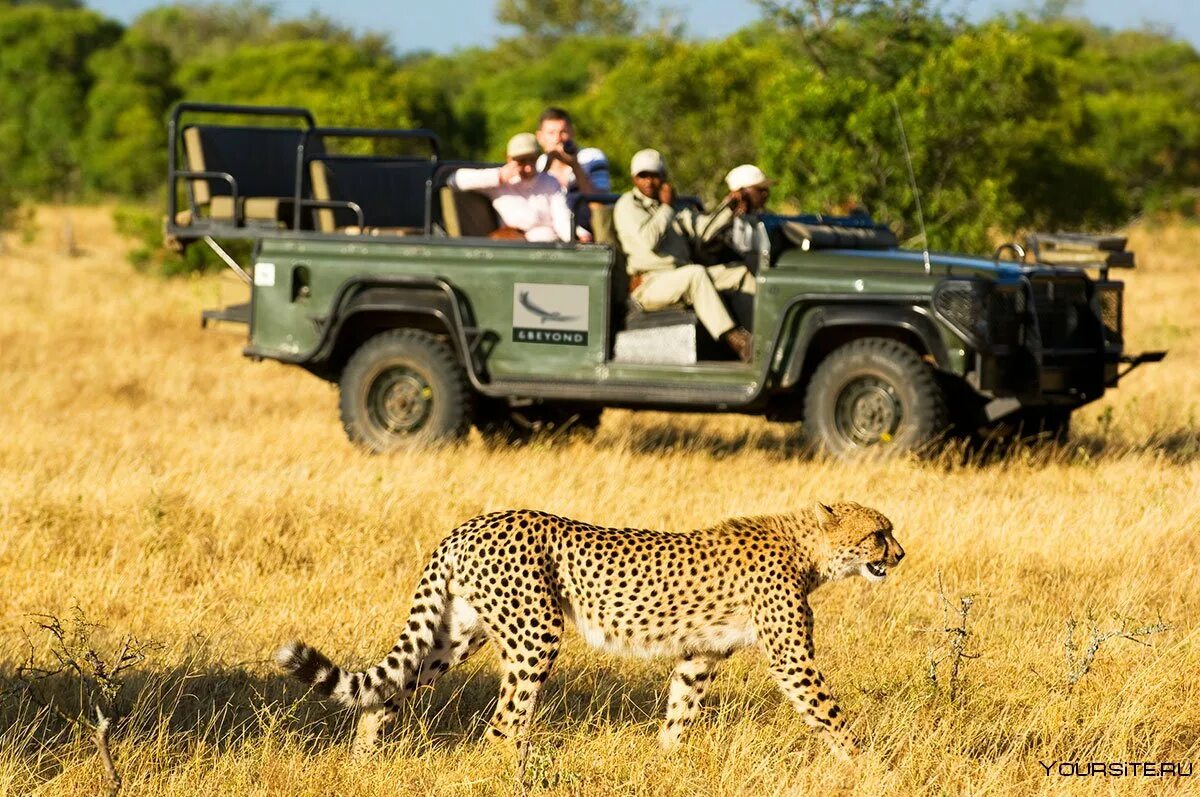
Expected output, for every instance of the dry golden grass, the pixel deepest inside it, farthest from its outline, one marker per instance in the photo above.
(176, 491)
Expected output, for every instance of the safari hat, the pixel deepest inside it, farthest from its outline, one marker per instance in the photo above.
(523, 145)
(746, 176)
(647, 160)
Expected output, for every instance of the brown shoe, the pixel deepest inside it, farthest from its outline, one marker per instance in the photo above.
(742, 342)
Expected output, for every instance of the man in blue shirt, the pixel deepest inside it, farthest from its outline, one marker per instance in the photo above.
(578, 171)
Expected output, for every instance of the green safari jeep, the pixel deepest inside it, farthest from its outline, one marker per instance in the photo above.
(369, 271)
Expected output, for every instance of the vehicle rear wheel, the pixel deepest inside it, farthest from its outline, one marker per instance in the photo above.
(873, 395)
(403, 388)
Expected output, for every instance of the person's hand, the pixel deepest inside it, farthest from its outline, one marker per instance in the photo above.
(510, 172)
(560, 154)
(736, 201)
(584, 236)
(666, 194)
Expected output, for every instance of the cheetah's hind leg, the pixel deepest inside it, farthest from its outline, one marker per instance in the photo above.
(458, 637)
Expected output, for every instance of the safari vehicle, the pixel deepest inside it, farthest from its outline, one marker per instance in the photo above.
(369, 271)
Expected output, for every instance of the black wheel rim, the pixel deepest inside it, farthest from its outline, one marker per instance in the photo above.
(400, 400)
(868, 411)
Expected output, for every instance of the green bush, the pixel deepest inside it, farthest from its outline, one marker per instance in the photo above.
(150, 255)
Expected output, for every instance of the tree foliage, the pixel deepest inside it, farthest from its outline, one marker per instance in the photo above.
(122, 142)
(44, 82)
(555, 19)
(1031, 120)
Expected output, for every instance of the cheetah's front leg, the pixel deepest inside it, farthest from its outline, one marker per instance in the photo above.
(787, 644)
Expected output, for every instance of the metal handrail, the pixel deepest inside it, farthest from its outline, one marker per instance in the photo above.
(338, 204)
(189, 174)
(174, 173)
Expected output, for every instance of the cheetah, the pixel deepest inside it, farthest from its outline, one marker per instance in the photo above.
(516, 577)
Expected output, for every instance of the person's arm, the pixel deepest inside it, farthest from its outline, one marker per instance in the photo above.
(483, 180)
(560, 212)
(638, 229)
(707, 227)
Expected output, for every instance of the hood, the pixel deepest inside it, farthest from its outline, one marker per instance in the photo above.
(941, 263)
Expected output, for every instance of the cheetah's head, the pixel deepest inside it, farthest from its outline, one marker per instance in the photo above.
(861, 541)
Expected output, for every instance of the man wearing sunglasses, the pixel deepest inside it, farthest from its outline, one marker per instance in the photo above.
(659, 240)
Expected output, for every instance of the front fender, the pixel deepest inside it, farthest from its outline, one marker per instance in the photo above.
(912, 320)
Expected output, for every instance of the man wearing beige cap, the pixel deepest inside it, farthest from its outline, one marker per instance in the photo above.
(530, 204)
(658, 239)
(749, 190)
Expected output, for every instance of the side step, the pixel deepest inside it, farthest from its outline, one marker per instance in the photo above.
(234, 313)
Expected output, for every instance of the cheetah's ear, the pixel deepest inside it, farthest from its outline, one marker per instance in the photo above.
(824, 514)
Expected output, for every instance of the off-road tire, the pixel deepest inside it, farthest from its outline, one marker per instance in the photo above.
(874, 396)
(403, 388)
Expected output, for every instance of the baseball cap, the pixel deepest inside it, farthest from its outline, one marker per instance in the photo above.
(523, 145)
(647, 160)
(745, 176)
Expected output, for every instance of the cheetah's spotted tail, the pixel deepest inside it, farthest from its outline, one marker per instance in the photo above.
(395, 673)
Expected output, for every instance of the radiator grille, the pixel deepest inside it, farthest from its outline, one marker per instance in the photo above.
(1065, 317)
(1006, 317)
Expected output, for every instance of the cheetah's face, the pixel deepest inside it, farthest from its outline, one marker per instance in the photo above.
(862, 541)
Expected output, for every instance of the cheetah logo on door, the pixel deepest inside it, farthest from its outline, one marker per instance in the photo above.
(555, 314)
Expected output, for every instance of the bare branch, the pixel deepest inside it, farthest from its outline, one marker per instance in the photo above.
(100, 739)
(1079, 664)
(957, 638)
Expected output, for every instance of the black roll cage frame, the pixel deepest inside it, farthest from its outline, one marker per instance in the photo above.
(199, 228)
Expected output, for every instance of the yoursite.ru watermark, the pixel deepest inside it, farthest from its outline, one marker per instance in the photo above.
(1117, 769)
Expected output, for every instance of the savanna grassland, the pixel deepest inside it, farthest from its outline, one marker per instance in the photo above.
(174, 491)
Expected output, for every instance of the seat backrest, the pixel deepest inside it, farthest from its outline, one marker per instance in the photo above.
(604, 228)
(261, 159)
(391, 193)
(467, 213)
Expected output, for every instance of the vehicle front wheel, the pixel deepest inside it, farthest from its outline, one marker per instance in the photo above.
(873, 395)
(403, 388)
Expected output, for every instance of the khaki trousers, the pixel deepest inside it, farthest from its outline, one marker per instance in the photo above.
(697, 287)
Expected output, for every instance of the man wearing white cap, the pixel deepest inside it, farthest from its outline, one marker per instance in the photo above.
(530, 204)
(749, 190)
(658, 240)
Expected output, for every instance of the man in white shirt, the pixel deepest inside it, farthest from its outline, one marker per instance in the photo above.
(528, 202)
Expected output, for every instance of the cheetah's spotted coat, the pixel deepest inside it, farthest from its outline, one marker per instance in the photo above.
(515, 578)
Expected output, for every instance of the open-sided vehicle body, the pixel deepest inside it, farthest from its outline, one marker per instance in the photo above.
(369, 271)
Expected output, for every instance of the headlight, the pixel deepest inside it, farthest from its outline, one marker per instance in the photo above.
(986, 314)
(961, 304)
(1107, 304)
